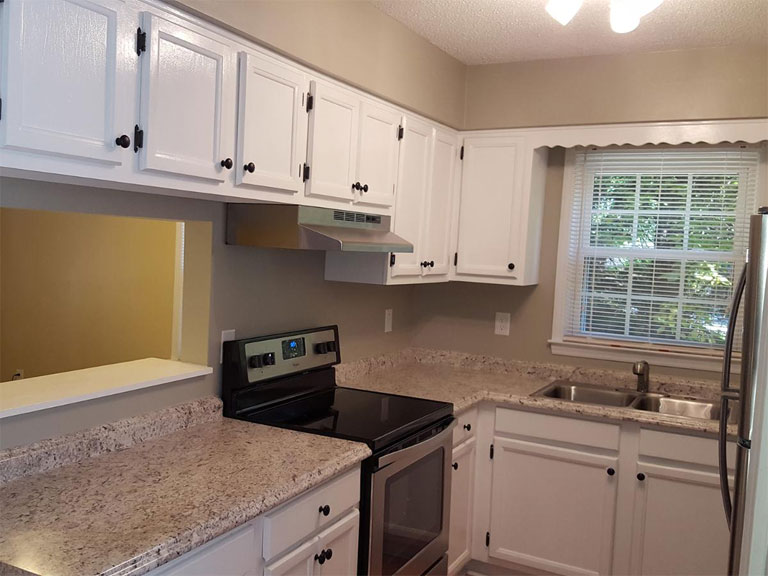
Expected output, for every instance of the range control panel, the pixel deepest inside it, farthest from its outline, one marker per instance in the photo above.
(268, 357)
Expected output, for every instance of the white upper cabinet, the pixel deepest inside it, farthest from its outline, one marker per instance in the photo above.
(271, 124)
(377, 155)
(69, 78)
(500, 211)
(436, 239)
(332, 149)
(412, 187)
(187, 101)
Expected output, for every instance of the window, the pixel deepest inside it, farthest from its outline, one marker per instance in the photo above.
(655, 240)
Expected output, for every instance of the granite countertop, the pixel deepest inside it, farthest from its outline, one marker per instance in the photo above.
(128, 511)
(466, 387)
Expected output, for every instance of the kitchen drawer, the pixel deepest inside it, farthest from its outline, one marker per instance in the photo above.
(301, 517)
(683, 448)
(557, 428)
(466, 426)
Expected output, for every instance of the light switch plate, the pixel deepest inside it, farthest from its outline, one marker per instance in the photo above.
(502, 323)
(226, 336)
(388, 320)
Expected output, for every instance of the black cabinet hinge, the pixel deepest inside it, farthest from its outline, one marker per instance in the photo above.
(141, 41)
(305, 173)
(400, 132)
(487, 539)
(491, 451)
(310, 102)
(455, 258)
(138, 138)
(391, 259)
(461, 153)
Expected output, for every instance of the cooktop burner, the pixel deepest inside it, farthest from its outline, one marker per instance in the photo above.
(375, 418)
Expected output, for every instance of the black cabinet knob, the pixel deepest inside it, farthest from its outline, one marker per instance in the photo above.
(328, 554)
(357, 186)
(320, 558)
(424, 264)
(431, 263)
(641, 476)
(511, 266)
(467, 427)
(455, 465)
(611, 471)
(250, 167)
(365, 188)
(325, 510)
(227, 163)
(123, 141)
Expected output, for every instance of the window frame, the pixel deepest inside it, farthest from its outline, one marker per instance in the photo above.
(672, 354)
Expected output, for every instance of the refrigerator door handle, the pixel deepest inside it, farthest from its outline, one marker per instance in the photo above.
(728, 394)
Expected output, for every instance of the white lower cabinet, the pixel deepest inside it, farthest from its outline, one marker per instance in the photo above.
(462, 492)
(339, 545)
(296, 563)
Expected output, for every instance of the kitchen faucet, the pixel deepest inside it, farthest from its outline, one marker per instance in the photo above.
(642, 370)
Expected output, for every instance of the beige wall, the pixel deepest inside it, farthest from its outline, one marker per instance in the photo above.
(79, 290)
(460, 315)
(255, 291)
(355, 42)
(723, 82)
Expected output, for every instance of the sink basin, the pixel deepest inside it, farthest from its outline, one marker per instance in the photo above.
(700, 409)
(587, 394)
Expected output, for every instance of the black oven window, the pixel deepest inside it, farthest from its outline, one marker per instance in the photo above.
(413, 511)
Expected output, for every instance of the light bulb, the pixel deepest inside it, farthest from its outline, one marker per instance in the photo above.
(563, 10)
(626, 14)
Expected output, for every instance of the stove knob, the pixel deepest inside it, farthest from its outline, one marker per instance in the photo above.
(321, 348)
(255, 362)
(331, 346)
(268, 359)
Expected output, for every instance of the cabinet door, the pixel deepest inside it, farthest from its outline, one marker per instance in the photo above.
(679, 526)
(70, 77)
(297, 563)
(412, 186)
(272, 124)
(437, 234)
(552, 508)
(377, 154)
(462, 490)
(340, 543)
(187, 101)
(332, 147)
(491, 206)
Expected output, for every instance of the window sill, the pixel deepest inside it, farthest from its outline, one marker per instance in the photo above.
(43, 392)
(685, 360)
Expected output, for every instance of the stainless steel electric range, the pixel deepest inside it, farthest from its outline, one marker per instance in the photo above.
(288, 380)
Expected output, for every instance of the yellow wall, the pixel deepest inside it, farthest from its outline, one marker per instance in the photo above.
(78, 290)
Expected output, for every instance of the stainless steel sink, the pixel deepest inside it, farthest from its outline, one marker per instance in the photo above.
(687, 408)
(587, 394)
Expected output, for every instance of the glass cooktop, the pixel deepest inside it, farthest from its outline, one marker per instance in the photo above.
(375, 418)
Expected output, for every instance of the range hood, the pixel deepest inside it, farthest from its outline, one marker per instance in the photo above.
(310, 228)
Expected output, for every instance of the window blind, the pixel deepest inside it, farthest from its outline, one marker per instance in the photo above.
(658, 238)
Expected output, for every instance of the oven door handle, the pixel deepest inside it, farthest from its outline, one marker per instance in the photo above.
(418, 450)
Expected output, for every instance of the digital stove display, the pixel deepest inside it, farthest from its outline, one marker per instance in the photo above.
(293, 348)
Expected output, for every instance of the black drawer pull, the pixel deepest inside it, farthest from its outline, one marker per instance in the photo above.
(325, 510)
(641, 476)
(455, 465)
(611, 471)
(467, 427)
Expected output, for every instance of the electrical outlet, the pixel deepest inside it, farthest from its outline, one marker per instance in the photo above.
(388, 320)
(226, 336)
(502, 323)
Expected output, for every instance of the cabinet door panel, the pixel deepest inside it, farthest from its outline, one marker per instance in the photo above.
(679, 524)
(437, 235)
(377, 154)
(297, 563)
(462, 490)
(491, 206)
(272, 125)
(187, 104)
(412, 188)
(69, 82)
(332, 148)
(552, 508)
(341, 540)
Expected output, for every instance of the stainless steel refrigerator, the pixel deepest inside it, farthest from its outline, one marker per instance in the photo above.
(746, 502)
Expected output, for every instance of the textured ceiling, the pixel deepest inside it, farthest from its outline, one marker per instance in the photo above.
(493, 31)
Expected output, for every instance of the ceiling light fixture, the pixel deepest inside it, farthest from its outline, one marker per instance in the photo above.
(626, 14)
(563, 10)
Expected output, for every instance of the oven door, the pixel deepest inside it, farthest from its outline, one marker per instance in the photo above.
(410, 507)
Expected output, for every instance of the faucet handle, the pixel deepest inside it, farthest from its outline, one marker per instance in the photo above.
(640, 368)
